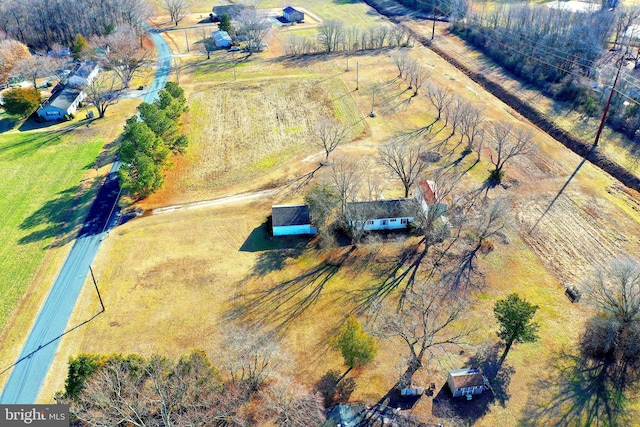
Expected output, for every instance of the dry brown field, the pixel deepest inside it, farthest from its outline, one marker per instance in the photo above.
(172, 281)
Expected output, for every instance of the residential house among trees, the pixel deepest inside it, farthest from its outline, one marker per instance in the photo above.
(231, 10)
(287, 220)
(466, 382)
(382, 214)
(292, 15)
(65, 98)
(221, 39)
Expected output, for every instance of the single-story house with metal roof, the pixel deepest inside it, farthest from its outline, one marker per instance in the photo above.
(221, 39)
(466, 382)
(62, 102)
(292, 15)
(382, 214)
(288, 220)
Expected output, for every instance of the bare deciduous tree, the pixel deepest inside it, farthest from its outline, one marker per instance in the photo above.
(208, 45)
(124, 56)
(289, 405)
(250, 357)
(33, 67)
(255, 26)
(176, 9)
(345, 177)
(103, 92)
(405, 160)
(507, 144)
(329, 133)
(417, 76)
(425, 324)
(440, 97)
(330, 34)
(11, 52)
(402, 61)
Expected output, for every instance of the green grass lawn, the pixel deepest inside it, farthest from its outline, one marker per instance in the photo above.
(41, 199)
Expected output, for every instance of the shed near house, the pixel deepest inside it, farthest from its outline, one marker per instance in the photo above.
(288, 220)
(221, 39)
(64, 101)
(382, 214)
(466, 382)
(292, 15)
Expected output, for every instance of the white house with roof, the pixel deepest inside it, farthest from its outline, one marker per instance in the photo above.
(63, 102)
(466, 382)
(221, 39)
(288, 220)
(292, 15)
(389, 214)
(84, 74)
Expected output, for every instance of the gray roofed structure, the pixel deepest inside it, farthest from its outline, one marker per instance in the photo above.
(231, 10)
(284, 215)
(64, 98)
(379, 209)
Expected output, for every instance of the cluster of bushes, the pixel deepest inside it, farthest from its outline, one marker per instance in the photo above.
(148, 140)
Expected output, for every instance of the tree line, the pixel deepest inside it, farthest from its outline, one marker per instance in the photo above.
(149, 139)
(42, 24)
(560, 52)
(334, 36)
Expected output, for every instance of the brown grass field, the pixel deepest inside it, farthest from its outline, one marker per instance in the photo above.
(170, 282)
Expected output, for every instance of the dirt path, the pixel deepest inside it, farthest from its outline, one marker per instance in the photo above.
(215, 202)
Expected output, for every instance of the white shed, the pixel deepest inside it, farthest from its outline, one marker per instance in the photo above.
(466, 382)
(288, 220)
(221, 38)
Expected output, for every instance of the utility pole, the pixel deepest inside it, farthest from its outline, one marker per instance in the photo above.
(175, 64)
(606, 107)
(96, 285)
(373, 94)
(357, 75)
(347, 61)
(433, 16)
(187, 38)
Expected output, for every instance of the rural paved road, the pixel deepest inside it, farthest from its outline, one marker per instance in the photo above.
(37, 354)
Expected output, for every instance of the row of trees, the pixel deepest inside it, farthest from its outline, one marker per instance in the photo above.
(559, 51)
(148, 140)
(41, 24)
(246, 387)
(333, 36)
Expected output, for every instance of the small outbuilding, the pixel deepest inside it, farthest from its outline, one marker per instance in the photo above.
(292, 15)
(221, 39)
(291, 220)
(466, 382)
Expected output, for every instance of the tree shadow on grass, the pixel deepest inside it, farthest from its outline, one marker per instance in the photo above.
(57, 217)
(282, 303)
(8, 122)
(469, 411)
(579, 392)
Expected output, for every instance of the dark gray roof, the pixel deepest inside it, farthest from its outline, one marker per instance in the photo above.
(85, 69)
(379, 209)
(231, 10)
(284, 215)
(64, 98)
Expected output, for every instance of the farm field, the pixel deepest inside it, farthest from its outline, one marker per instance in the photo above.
(197, 269)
